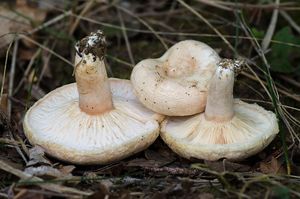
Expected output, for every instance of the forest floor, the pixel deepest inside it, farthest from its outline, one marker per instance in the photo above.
(37, 53)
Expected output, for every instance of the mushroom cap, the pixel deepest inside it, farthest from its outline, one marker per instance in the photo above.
(176, 84)
(250, 131)
(57, 124)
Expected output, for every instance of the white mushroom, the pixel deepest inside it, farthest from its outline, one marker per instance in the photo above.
(96, 120)
(229, 128)
(176, 84)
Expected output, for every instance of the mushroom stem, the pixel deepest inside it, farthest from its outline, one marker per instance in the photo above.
(219, 105)
(91, 77)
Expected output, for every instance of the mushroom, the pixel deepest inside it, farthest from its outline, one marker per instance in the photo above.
(95, 120)
(229, 128)
(176, 83)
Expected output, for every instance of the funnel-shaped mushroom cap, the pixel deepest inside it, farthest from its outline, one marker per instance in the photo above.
(58, 125)
(228, 128)
(94, 121)
(176, 84)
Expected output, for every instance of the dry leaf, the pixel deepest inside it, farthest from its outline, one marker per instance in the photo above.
(272, 167)
(46, 171)
(67, 169)
(37, 156)
(17, 19)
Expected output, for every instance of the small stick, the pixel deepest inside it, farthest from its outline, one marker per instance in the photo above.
(268, 36)
(12, 76)
(174, 171)
(289, 19)
(125, 37)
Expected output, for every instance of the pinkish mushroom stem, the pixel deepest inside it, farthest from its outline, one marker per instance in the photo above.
(219, 105)
(91, 77)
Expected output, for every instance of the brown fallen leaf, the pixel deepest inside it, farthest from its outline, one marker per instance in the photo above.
(19, 18)
(66, 169)
(272, 167)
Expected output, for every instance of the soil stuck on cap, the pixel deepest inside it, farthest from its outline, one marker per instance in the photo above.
(235, 65)
(95, 44)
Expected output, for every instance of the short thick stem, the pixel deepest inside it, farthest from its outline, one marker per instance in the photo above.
(91, 77)
(93, 86)
(219, 106)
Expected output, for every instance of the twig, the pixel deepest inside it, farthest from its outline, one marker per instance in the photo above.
(12, 76)
(47, 49)
(282, 6)
(10, 93)
(4, 195)
(28, 68)
(263, 83)
(125, 37)
(174, 171)
(50, 22)
(215, 4)
(268, 102)
(269, 34)
(6, 167)
(144, 23)
(45, 64)
(39, 182)
(8, 141)
(86, 8)
(290, 80)
(178, 33)
(290, 20)
(4, 71)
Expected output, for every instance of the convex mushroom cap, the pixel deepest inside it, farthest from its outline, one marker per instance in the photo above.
(176, 84)
(94, 121)
(229, 128)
